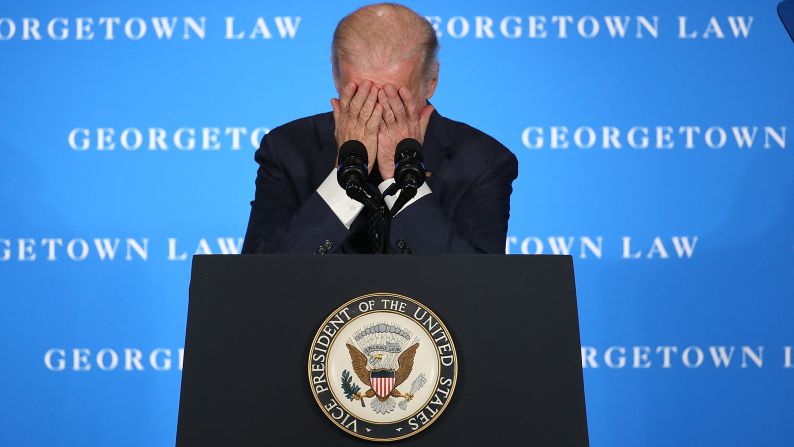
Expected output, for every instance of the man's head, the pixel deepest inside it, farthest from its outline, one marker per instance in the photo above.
(386, 43)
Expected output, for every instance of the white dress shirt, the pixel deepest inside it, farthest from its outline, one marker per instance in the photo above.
(347, 209)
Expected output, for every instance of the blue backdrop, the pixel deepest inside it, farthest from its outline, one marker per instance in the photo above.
(654, 144)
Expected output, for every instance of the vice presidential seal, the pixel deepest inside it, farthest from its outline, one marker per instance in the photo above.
(383, 367)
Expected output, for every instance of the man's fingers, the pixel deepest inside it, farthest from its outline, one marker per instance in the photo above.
(374, 121)
(369, 105)
(346, 95)
(395, 102)
(388, 115)
(408, 99)
(424, 118)
(359, 98)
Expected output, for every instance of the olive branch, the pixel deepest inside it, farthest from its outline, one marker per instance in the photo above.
(351, 389)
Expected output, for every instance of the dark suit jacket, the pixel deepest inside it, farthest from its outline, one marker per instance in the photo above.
(467, 211)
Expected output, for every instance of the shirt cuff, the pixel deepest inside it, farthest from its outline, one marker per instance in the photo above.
(421, 192)
(345, 208)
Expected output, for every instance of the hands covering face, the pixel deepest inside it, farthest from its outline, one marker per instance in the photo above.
(380, 118)
(357, 116)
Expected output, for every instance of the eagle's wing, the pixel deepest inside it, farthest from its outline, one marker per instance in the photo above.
(360, 363)
(406, 362)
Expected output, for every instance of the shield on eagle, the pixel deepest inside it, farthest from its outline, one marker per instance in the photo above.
(382, 381)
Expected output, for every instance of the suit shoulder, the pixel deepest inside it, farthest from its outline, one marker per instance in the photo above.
(302, 127)
(296, 138)
(468, 140)
(302, 124)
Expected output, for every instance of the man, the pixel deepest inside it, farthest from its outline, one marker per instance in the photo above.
(385, 68)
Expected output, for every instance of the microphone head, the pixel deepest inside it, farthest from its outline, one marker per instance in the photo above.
(353, 163)
(408, 147)
(353, 148)
(409, 169)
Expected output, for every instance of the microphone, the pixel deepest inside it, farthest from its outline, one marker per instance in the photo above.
(352, 173)
(352, 168)
(409, 166)
(409, 172)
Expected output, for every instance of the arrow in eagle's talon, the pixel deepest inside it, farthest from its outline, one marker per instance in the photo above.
(358, 396)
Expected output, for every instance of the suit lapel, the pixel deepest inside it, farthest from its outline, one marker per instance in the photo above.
(436, 151)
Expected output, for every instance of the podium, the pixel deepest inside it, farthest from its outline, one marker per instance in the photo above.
(252, 320)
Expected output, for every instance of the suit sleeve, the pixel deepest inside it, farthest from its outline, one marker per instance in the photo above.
(283, 222)
(478, 223)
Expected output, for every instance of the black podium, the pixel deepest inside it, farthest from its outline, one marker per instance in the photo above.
(251, 320)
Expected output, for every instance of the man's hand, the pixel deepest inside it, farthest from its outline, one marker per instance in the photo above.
(357, 116)
(401, 120)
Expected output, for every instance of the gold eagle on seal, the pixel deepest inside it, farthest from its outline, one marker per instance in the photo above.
(382, 382)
